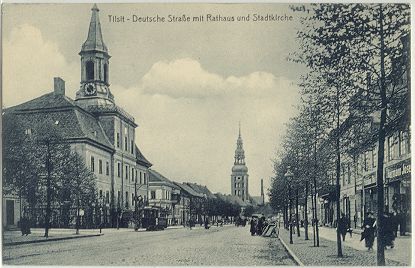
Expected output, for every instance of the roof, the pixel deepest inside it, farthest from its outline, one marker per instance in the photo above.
(156, 177)
(46, 101)
(200, 189)
(74, 123)
(94, 41)
(189, 190)
(141, 159)
(257, 200)
(232, 199)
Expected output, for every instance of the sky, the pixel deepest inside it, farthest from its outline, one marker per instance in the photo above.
(188, 84)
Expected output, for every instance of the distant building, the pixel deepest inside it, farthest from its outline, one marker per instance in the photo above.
(239, 176)
(165, 195)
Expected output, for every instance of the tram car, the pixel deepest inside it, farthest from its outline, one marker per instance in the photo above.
(154, 219)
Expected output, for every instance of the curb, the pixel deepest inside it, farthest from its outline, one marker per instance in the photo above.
(50, 240)
(296, 259)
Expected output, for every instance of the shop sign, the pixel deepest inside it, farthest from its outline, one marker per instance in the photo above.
(398, 170)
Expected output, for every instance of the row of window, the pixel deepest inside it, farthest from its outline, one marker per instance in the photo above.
(128, 202)
(238, 192)
(396, 146)
(100, 166)
(165, 194)
(237, 185)
(128, 146)
(136, 176)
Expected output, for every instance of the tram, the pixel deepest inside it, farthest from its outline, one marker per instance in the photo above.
(154, 219)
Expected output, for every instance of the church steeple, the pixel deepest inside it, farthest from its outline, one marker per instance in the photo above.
(94, 90)
(239, 152)
(239, 176)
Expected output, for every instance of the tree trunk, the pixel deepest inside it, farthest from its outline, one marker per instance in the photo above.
(306, 211)
(315, 192)
(381, 148)
(339, 245)
(315, 213)
(313, 220)
(296, 212)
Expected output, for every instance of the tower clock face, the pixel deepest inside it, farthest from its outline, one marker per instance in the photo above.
(90, 89)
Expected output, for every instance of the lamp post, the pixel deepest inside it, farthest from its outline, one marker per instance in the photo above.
(94, 214)
(289, 175)
(101, 214)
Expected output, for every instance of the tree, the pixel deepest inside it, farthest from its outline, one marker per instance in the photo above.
(79, 183)
(347, 44)
(40, 166)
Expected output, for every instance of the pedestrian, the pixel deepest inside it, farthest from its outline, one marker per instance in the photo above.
(368, 233)
(402, 229)
(206, 223)
(190, 223)
(259, 227)
(253, 227)
(25, 225)
(388, 235)
(342, 226)
(395, 223)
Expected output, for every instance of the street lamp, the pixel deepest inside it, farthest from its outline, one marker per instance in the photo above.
(101, 214)
(289, 175)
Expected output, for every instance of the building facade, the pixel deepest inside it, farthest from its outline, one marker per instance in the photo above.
(239, 176)
(100, 131)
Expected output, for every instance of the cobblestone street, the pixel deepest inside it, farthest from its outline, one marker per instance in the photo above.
(217, 246)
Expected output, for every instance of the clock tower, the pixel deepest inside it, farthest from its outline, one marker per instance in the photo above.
(94, 90)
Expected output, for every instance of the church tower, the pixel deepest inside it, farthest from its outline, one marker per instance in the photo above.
(239, 177)
(94, 90)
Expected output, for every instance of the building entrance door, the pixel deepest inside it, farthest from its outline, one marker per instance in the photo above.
(10, 212)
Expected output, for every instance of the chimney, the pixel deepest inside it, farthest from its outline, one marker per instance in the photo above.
(59, 86)
(262, 192)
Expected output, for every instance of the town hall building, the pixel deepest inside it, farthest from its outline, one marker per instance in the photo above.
(96, 128)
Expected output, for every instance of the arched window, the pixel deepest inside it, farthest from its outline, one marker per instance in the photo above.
(89, 70)
(106, 73)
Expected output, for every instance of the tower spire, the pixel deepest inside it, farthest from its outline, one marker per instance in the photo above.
(94, 90)
(94, 41)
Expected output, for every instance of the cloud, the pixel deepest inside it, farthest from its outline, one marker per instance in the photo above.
(187, 116)
(29, 64)
(185, 78)
(188, 120)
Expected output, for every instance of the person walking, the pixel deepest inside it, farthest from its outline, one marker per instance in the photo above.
(253, 227)
(402, 229)
(395, 223)
(368, 233)
(206, 223)
(259, 227)
(389, 236)
(343, 226)
(25, 225)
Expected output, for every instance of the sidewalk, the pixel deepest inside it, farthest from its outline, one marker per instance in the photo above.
(37, 235)
(326, 254)
(400, 253)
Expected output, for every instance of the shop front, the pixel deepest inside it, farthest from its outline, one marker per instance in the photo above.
(398, 194)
